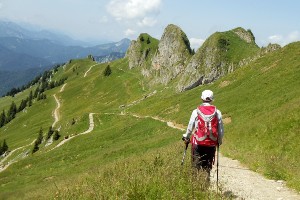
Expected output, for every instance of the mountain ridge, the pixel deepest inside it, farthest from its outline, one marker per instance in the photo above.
(220, 54)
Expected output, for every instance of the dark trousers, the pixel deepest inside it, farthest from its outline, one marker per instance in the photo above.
(203, 157)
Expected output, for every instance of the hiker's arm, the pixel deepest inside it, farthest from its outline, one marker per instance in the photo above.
(220, 127)
(191, 125)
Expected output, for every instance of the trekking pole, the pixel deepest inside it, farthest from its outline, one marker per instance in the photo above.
(218, 151)
(184, 153)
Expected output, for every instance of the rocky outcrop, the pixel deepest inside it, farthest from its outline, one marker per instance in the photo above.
(171, 58)
(244, 35)
(270, 48)
(216, 57)
(173, 53)
(141, 50)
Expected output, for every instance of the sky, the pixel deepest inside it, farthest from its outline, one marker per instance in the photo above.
(271, 21)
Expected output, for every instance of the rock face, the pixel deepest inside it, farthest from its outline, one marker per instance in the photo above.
(173, 52)
(244, 35)
(171, 58)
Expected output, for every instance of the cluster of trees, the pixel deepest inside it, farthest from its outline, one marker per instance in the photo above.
(3, 148)
(38, 94)
(51, 133)
(142, 39)
(46, 75)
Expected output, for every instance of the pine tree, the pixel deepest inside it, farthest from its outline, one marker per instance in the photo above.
(35, 147)
(56, 135)
(2, 119)
(50, 132)
(107, 71)
(4, 146)
(36, 92)
(39, 140)
(22, 105)
(11, 114)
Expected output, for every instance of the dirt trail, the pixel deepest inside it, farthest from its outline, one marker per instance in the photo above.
(85, 74)
(56, 113)
(90, 129)
(238, 181)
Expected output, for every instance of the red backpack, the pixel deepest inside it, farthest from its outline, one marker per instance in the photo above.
(207, 131)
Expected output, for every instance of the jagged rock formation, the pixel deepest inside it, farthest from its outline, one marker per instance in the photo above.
(172, 58)
(173, 53)
(244, 35)
(141, 50)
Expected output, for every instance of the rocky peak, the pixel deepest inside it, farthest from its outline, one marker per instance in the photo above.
(270, 48)
(173, 52)
(141, 50)
(244, 35)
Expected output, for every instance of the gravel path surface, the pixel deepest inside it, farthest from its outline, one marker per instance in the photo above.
(238, 181)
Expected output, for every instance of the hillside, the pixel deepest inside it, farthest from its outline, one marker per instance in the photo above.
(23, 50)
(129, 145)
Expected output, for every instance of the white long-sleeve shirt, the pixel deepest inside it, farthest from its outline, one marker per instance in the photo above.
(193, 124)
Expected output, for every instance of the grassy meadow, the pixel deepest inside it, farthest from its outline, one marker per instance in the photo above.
(126, 157)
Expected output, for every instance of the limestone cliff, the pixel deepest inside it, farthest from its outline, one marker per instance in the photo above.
(173, 53)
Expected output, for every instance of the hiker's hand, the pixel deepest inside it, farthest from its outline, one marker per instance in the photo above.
(186, 140)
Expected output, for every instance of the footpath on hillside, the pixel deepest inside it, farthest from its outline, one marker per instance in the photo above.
(237, 181)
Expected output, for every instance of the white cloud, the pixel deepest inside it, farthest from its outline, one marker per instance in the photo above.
(284, 40)
(1, 5)
(196, 43)
(275, 38)
(130, 9)
(147, 21)
(129, 32)
(103, 19)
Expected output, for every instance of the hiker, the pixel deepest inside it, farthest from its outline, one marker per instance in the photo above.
(208, 134)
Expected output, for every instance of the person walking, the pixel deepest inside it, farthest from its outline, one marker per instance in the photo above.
(206, 122)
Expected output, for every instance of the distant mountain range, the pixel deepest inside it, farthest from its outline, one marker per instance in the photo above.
(29, 50)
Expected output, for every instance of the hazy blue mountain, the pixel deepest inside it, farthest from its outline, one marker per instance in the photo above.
(24, 49)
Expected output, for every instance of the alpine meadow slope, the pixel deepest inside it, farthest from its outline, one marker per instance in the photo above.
(131, 157)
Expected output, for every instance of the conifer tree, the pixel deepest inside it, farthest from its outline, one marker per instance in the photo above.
(38, 141)
(107, 71)
(4, 146)
(2, 119)
(30, 99)
(40, 136)
(22, 105)
(50, 132)
(56, 135)
(11, 114)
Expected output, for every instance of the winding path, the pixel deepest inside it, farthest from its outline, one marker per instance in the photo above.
(85, 74)
(90, 129)
(56, 113)
(238, 181)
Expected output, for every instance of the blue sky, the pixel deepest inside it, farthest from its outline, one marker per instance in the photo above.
(271, 21)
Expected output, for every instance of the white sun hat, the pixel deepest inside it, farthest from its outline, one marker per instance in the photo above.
(207, 95)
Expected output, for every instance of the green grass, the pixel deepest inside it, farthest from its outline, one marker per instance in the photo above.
(125, 157)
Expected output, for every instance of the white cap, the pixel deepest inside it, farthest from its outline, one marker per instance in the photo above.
(207, 95)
